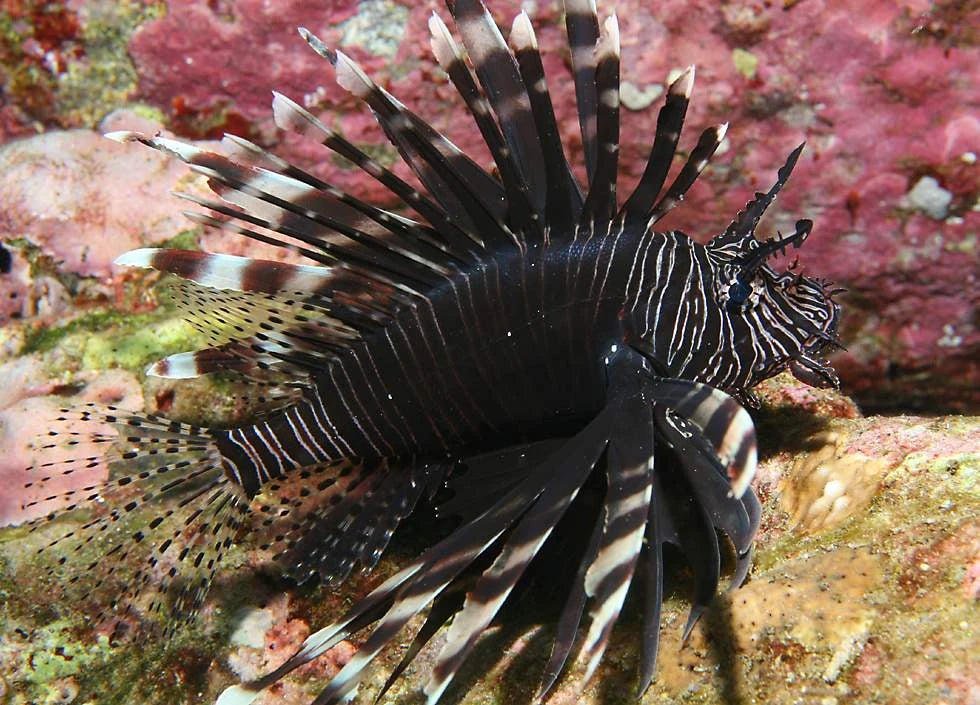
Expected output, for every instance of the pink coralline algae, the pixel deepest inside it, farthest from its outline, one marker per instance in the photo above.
(216, 62)
(84, 200)
(21, 410)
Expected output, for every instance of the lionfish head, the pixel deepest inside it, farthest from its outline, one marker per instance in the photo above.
(785, 320)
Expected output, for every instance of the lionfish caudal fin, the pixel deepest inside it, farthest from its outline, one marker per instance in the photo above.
(154, 510)
(154, 522)
(268, 320)
(676, 456)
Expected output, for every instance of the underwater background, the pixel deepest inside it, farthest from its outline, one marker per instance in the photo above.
(866, 582)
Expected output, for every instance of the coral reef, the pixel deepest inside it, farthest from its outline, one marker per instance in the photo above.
(82, 201)
(66, 64)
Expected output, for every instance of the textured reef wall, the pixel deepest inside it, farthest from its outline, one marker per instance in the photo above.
(885, 93)
(867, 578)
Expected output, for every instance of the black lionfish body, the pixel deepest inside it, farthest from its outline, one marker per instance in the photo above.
(507, 344)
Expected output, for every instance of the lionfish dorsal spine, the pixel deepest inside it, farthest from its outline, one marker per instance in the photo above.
(638, 207)
(600, 204)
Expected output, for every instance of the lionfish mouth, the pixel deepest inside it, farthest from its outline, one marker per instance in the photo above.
(808, 365)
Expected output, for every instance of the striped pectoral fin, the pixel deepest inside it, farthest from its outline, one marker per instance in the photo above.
(243, 274)
(696, 532)
(629, 473)
(606, 569)
(568, 468)
(653, 592)
(440, 566)
(400, 597)
(724, 424)
(707, 478)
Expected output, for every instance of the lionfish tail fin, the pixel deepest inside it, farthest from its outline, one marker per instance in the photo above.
(150, 512)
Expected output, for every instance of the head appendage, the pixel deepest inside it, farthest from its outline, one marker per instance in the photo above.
(743, 225)
(754, 259)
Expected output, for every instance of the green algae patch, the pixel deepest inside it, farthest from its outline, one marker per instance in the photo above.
(184, 240)
(106, 339)
(106, 78)
(137, 345)
(746, 63)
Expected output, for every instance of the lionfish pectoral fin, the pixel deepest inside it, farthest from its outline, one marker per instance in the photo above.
(407, 593)
(443, 608)
(657, 534)
(361, 615)
(707, 477)
(629, 480)
(563, 473)
(323, 520)
(696, 530)
(723, 423)
(743, 560)
(480, 479)
(607, 565)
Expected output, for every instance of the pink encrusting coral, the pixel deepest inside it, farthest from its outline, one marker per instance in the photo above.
(25, 402)
(82, 200)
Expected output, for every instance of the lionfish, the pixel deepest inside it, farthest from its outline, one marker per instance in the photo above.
(510, 348)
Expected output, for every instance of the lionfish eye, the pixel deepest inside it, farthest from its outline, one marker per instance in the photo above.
(738, 293)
